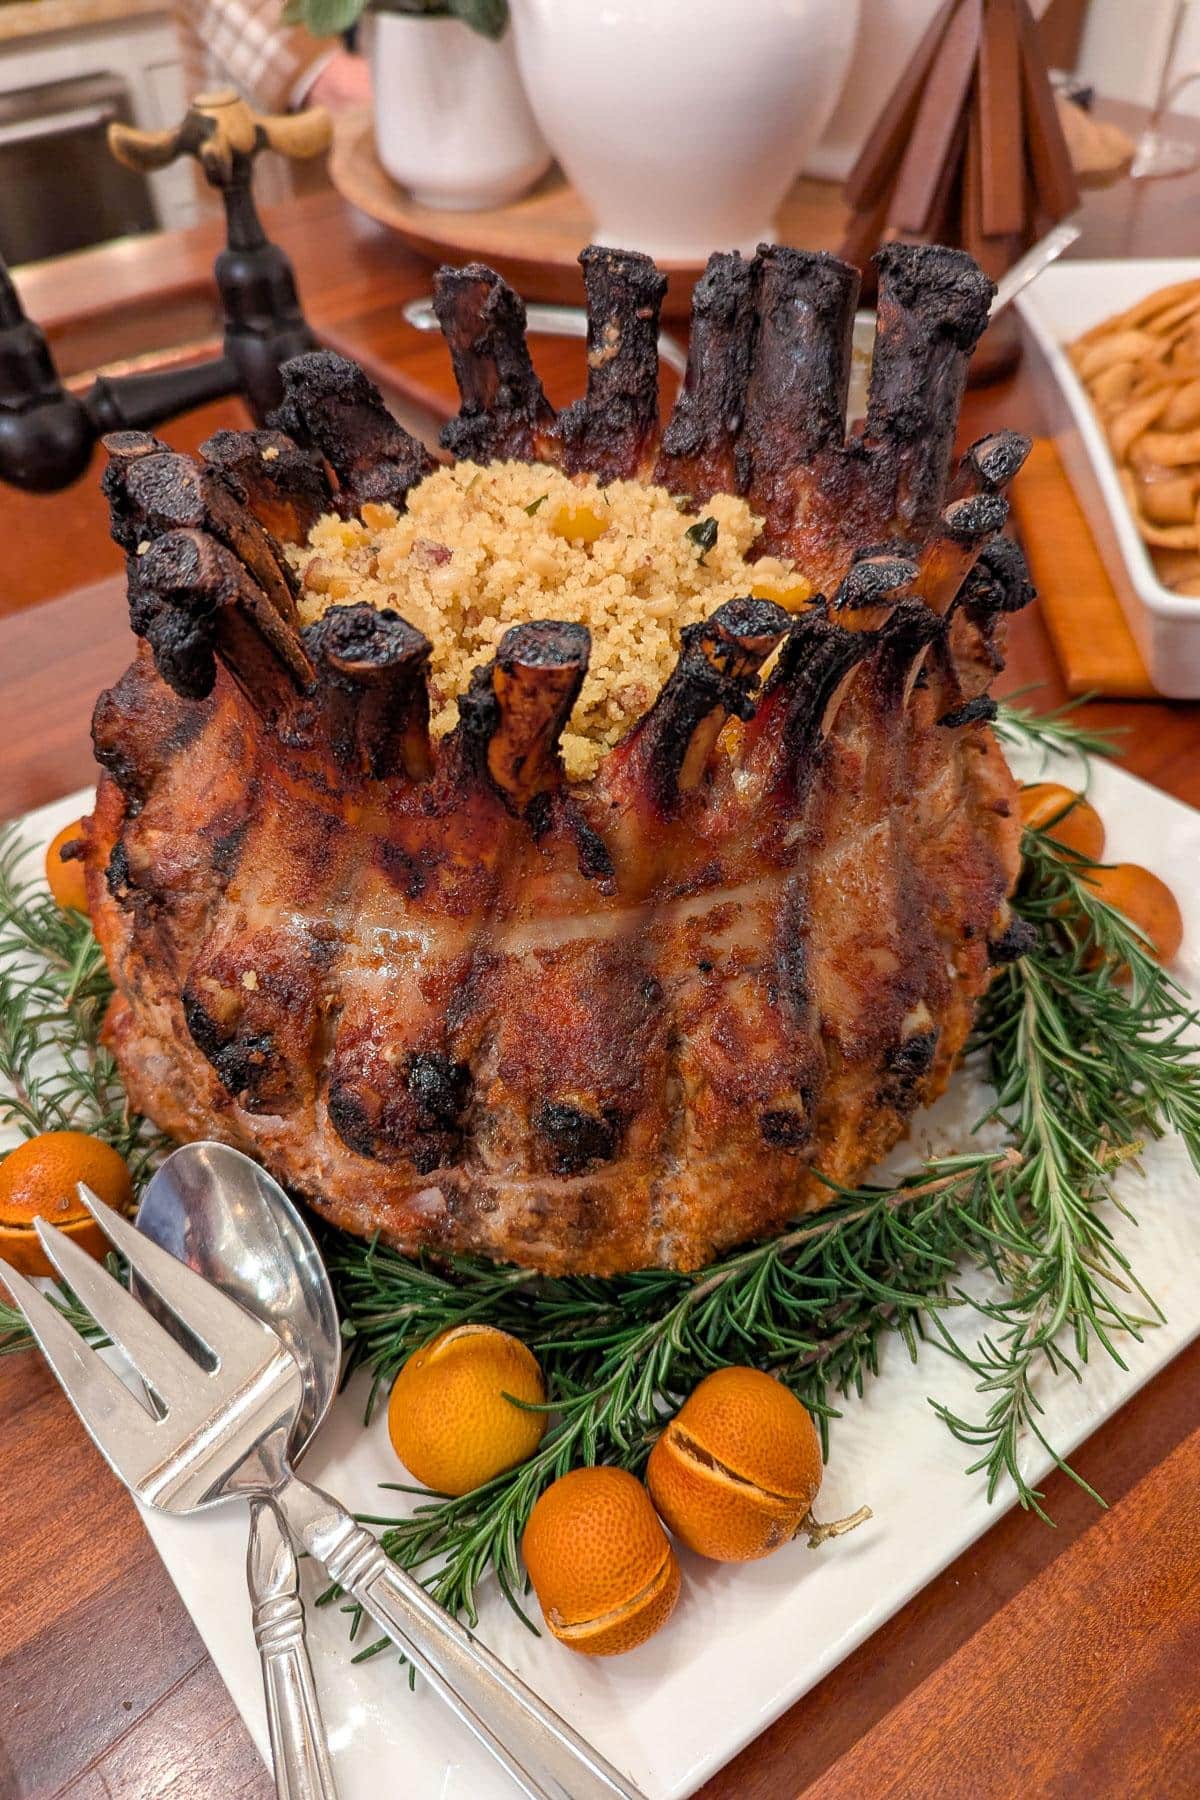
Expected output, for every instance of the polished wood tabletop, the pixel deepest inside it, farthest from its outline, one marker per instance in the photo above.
(1041, 1662)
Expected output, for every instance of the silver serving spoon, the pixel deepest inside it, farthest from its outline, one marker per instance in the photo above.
(225, 1217)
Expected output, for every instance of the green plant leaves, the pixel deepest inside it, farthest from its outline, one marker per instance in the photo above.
(329, 18)
(324, 18)
(487, 17)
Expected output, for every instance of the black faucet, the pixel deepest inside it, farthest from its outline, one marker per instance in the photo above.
(47, 432)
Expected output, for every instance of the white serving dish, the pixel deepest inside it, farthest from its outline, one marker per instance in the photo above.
(745, 1643)
(1066, 300)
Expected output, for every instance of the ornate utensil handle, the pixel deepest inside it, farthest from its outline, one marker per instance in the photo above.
(546, 1759)
(298, 1745)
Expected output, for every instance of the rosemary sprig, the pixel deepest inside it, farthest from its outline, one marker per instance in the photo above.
(1051, 733)
(55, 1075)
(1085, 1070)
(14, 1332)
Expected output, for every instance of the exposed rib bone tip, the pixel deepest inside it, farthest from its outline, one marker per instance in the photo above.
(999, 581)
(873, 578)
(322, 375)
(125, 446)
(545, 644)
(700, 454)
(948, 284)
(735, 641)
(979, 515)
(283, 486)
(372, 701)
(796, 397)
(515, 708)
(826, 279)
(998, 457)
(333, 406)
(628, 265)
(612, 433)
(719, 293)
(194, 601)
(360, 640)
(982, 709)
(504, 411)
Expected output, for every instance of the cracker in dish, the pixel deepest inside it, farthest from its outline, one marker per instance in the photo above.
(1141, 370)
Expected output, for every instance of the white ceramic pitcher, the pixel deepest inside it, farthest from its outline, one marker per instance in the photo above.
(451, 120)
(683, 123)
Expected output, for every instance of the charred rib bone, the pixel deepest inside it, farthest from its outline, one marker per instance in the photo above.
(372, 699)
(332, 405)
(998, 584)
(613, 432)
(665, 755)
(150, 495)
(284, 487)
(933, 306)
(796, 402)
(505, 412)
(700, 455)
(535, 679)
(784, 736)
(871, 586)
(954, 545)
(197, 604)
(989, 464)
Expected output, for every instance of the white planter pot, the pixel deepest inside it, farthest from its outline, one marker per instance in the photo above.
(452, 123)
(683, 123)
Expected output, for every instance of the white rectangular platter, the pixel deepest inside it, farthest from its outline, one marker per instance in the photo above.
(745, 1642)
(1066, 300)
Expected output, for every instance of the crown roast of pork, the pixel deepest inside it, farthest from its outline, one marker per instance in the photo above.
(447, 995)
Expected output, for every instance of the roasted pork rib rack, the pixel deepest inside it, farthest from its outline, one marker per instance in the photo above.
(447, 995)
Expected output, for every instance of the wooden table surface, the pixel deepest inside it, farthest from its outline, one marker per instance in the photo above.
(1041, 1662)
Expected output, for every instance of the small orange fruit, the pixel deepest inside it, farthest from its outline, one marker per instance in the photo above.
(37, 1180)
(737, 1469)
(66, 876)
(448, 1418)
(1063, 816)
(604, 1574)
(1145, 901)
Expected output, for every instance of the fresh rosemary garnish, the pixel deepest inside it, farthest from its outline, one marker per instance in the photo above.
(1051, 731)
(1085, 1068)
(55, 1075)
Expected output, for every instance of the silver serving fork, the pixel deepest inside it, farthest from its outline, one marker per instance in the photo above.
(219, 1429)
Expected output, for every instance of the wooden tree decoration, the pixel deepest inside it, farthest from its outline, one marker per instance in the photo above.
(969, 149)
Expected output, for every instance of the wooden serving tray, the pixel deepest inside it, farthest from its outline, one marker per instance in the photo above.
(535, 241)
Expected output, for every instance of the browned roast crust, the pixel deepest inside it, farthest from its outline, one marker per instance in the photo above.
(448, 996)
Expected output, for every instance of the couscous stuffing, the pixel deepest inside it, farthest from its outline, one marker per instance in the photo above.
(480, 549)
